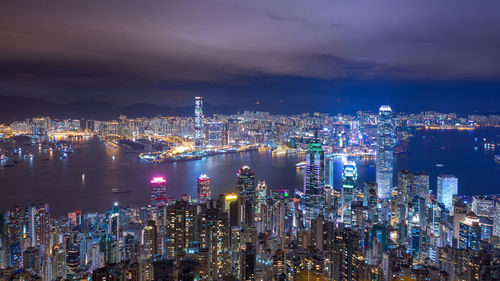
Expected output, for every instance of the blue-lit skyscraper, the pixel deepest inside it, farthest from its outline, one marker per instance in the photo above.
(314, 182)
(385, 156)
(349, 177)
(447, 186)
(470, 233)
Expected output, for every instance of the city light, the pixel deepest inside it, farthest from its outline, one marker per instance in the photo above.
(158, 180)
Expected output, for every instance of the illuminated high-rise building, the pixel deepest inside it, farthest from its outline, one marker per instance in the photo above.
(385, 152)
(225, 134)
(114, 225)
(204, 188)
(149, 242)
(314, 182)
(370, 200)
(278, 265)
(411, 185)
(260, 198)
(331, 170)
(470, 232)
(246, 183)
(58, 262)
(38, 224)
(349, 178)
(405, 179)
(421, 184)
(447, 186)
(180, 227)
(158, 192)
(214, 134)
(198, 122)
(214, 237)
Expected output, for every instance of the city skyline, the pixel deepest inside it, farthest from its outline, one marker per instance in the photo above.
(250, 141)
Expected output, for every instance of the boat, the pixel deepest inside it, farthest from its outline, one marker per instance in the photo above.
(439, 165)
(3, 157)
(301, 165)
(497, 158)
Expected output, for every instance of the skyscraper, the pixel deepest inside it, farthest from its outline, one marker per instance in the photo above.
(384, 156)
(158, 192)
(421, 184)
(260, 200)
(204, 188)
(349, 177)
(405, 179)
(447, 186)
(198, 122)
(214, 134)
(314, 182)
(246, 183)
(470, 232)
(114, 225)
(180, 230)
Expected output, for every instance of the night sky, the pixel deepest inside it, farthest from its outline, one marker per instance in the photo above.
(304, 55)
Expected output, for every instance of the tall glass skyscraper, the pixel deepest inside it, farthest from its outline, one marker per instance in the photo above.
(447, 186)
(349, 178)
(314, 182)
(385, 153)
(198, 122)
(246, 183)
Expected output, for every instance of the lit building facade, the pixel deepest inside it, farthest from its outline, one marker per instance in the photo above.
(385, 152)
(349, 178)
(214, 134)
(198, 122)
(246, 183)
(314, 182)
(447, 186)
(204, 188)
(158, 192)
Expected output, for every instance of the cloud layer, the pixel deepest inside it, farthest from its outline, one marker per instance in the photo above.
(120, 46)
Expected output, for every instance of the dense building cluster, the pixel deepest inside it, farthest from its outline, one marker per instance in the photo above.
(258, 233)
(391, 229)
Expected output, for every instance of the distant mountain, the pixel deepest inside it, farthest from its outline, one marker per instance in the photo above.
(15, 108)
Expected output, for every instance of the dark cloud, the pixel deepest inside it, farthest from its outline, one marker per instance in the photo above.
(110, 49)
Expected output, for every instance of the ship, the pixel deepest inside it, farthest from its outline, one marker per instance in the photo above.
(301, 165)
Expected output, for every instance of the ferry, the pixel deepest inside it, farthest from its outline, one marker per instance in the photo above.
(301, 165)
